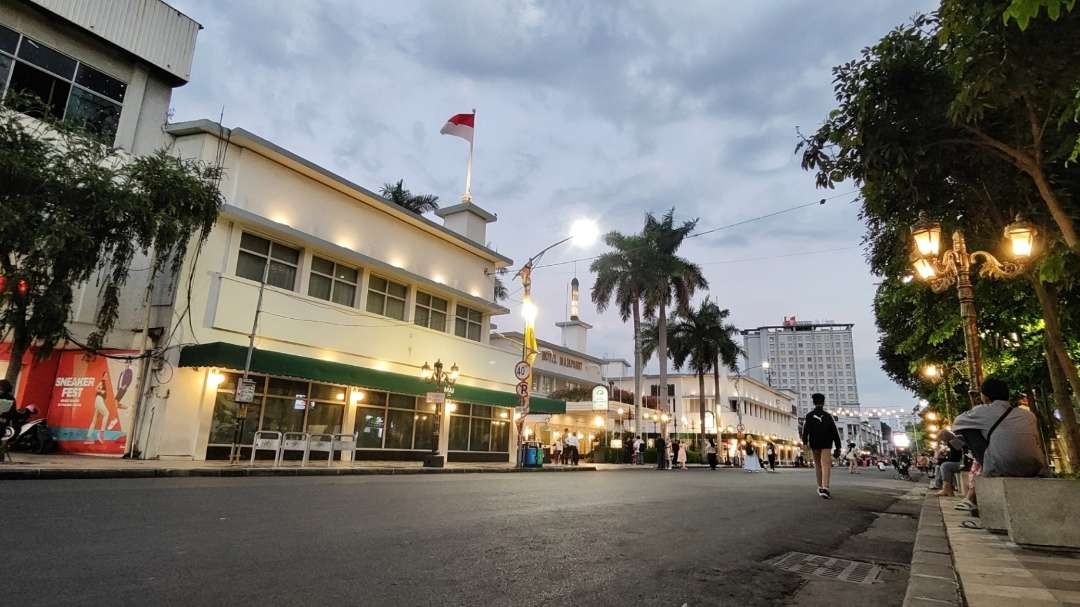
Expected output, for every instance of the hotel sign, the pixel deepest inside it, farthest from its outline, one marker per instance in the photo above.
(599, 398)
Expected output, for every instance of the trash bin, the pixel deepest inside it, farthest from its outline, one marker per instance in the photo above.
(532, 456)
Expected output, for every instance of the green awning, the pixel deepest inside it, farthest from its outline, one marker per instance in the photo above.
(267, 362)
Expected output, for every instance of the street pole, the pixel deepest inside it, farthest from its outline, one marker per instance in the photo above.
(242, 408)
(966, 293)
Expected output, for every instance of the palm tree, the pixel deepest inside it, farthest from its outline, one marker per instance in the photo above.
(674, 280)
(624, 274)
(728, 352)
(694, 337)
(417, 203)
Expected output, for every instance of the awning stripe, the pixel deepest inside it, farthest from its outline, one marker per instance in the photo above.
(267, 362)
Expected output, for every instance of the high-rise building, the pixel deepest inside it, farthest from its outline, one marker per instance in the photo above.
(805, 357)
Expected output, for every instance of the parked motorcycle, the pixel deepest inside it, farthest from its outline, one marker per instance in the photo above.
(21, 433)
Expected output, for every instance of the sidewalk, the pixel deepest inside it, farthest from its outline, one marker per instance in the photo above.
(951, 564)
(29, 467)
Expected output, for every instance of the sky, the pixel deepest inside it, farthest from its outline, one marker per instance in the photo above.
(605, 110)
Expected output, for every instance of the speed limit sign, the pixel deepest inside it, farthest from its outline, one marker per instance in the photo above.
(522, 370)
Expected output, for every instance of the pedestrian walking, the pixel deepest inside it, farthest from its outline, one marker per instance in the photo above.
(669, 455)
(681, 455)
(571, 449)
(557, 450)
(770, 452)
(752, 463)
(710, 454)
(661, 453)
(639, 451)
(820, 434)
(852, 458)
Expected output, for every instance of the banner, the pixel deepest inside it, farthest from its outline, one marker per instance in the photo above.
(92, 403)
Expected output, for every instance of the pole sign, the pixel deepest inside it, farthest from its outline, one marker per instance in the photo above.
(522, 389)
(599, 398)
(522, 370)
(435, 398)
(245, 391)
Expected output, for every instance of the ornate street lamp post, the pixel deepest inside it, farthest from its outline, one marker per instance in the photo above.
(444, 383)
(954, 266)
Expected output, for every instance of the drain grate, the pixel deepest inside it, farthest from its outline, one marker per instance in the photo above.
(829, 567)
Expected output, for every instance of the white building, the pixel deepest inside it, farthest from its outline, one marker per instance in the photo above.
(806, 358)
(747, 408)
(359, 295)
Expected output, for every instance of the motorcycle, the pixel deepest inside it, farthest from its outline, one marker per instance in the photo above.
(21, 433)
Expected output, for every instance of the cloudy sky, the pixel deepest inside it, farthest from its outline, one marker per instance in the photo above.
(605, 110)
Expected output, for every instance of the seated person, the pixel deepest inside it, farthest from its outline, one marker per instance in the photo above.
(1003, 438)
(951, 462)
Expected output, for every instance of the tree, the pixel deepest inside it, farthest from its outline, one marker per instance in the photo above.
(73, 208)
(624, 274)
(924, 119)
(417, 203)
(699, 339)
(728, 352)
(674, 279)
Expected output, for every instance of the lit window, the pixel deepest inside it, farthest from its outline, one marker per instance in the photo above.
(468, 323)
(430, 311)
(333, 282)
(255, 251)
(386, 298)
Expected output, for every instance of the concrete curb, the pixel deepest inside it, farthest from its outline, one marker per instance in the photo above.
(933, 580)
(117, 473)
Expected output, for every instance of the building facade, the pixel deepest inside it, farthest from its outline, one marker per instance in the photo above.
(354, 295)
(109, 68)
(806, 358)
(747, 409)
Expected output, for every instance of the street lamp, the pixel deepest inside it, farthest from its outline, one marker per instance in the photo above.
(443, 381)
(583, 233)
(954, 266)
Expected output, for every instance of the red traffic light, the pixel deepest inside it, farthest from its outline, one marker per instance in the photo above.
(22, 287)
(3, 283)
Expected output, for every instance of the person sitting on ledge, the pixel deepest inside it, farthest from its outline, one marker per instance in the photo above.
(1003, 437)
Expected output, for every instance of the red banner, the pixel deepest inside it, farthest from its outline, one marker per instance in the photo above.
(91, 405)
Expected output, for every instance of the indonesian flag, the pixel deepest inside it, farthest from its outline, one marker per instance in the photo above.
(460, 125)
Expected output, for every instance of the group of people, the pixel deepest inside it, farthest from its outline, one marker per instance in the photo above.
(564, 450)
(994, 439)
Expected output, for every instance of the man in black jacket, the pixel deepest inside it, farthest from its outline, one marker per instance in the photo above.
(820, 434)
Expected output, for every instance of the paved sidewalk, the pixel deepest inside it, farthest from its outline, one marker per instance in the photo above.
(995, 572)
(28, 467)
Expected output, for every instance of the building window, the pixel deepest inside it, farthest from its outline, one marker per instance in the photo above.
(386, 298)
(254, 253)
(393, 421)
(56, 85)
(479, 428)
(280, 405)
(468, 323)
(430, 311)
(333, 282)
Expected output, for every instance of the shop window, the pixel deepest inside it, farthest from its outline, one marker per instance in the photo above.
(425, 425)
(468, 323)
(325, 418)
(284, 414)
(480, 435)
(500, 436)
(430, 311)
(386, 298)
(370, 423)
(223, 423)
(399, 429)
(333, 282)
(459, 433)
(56, 85)
(256, 251)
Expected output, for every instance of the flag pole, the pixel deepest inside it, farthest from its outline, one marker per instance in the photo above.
(468, 167)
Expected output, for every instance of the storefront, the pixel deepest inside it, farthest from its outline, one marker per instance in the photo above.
(386, 411)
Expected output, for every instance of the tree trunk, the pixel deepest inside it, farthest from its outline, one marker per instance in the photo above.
(661, 352)
(20, 343)
(1060, 215)
(716, 400)
(1062, 400)
(637, 368)
(1055, 344)
(701, 410)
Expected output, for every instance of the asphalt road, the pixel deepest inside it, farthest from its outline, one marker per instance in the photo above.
(641, 537)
